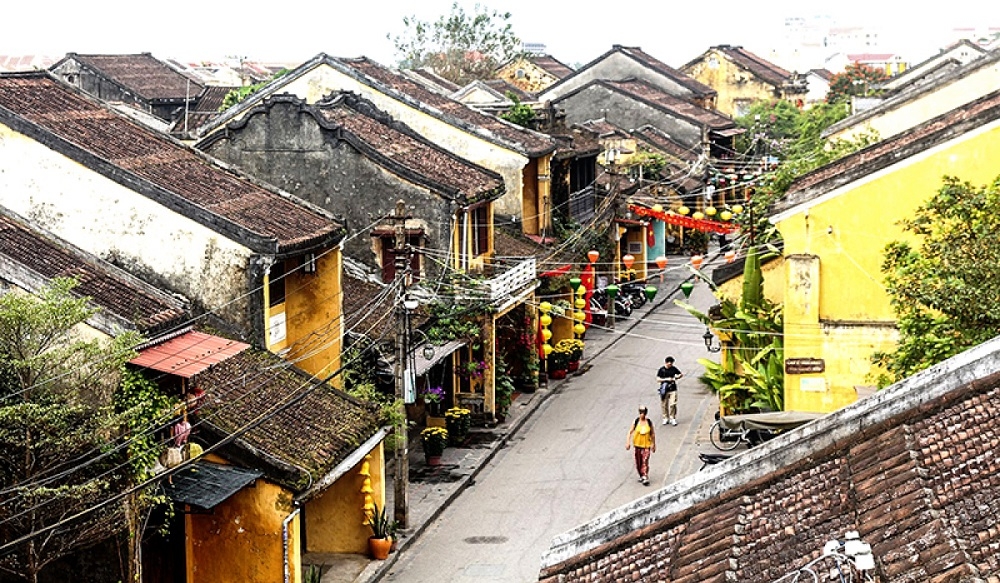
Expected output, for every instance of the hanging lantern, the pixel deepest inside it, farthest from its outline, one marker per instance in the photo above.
(737, 209)
(661, 261)
(650, 292)
(683, 210)
(593, 256)
(544, 307)
(575, 282)
(612, 291)
(579, 316)
(730, 256)
(658, 208)
(546, 334)
(696, 261)
(581, 291)
(547, 348)
(580, 303)
(686, 287)
(628, 260)
(698, 215)
(546, 320)
(579, 329)
(710, 211)
(725, 215)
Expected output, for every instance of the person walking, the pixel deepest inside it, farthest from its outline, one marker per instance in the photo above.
(667, 376)
(643, 439)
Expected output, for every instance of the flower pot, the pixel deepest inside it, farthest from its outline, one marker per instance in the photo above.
(433, 460)
(557, 374)
(573, 365)
(378, 548)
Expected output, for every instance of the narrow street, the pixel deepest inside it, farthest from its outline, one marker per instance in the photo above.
(568, 463)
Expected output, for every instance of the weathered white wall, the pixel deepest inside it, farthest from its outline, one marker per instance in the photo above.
(122, 226)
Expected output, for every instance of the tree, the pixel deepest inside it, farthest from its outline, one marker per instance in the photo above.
(57, 420)
(460, 47)
(943, 287)
(519, 113)
(857, 80)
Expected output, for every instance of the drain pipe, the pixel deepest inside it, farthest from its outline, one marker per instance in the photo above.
(285, 542)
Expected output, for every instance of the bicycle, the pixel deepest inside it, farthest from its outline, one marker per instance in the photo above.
(726, 439)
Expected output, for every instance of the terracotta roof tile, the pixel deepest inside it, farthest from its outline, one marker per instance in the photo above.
(527, 141)
(697, 87)
(761, 68)
(108, 287)
(642, 90)
(306, 427)
(143, 74)
(401, 145)
(660, 140)
(59, 111)
(551, 65)
(205, 109)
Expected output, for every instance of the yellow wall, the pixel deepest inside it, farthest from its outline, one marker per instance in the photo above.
(773, 273)
(335, 520)
(733, 83)
(836, 306)
(240, 541)
(312, 310)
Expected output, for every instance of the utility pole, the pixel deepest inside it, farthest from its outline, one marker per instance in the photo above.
(401, 482)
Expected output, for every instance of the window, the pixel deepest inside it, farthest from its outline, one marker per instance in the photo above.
(276, 284)
(388, 244)
(480, 218)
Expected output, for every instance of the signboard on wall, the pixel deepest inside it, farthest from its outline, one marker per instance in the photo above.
(804, 365)
(812, 384)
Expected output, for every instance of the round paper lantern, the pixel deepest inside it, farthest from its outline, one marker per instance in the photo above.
(698, 215)
(710, 211)
(579, 316)
(581, 290)
(737, 209)
(628, 260)
(580, 303)
(579, 328)
(593, 256)
(696, 261)
(544, 307)
(661, 261)
(546, 334)
(658, 208)
(683, 210)
(547, 348)
(725, 215)
(546, 320)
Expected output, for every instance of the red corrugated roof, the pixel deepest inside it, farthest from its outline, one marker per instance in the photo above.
(188, 354)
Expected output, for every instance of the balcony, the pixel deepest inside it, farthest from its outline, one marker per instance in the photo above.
(512, 285)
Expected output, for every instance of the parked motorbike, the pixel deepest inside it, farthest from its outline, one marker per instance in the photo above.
(634, 291)
(623, 305)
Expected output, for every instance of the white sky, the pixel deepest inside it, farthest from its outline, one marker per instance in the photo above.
(574, 32)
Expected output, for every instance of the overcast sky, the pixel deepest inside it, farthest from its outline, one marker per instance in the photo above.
(574, 32)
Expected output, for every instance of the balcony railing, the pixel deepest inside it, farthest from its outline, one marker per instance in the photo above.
(508, 287)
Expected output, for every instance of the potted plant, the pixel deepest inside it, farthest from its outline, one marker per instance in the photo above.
(381, 540)
(434, 440)
(573, 348)
(558, 363)
(457, 420)
(433, 397)
(504, 395)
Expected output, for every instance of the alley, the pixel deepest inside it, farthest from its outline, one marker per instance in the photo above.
(568, 463)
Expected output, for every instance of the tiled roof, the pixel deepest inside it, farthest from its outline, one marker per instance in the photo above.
(503, 87)
(393, 141)
(429, 76)
(25, 62)
(527, 141)
(508, 244)
(660, 140)
(824, 74)
(913, 469)
(551, 66)
(603, 128)
(305, 426)
(890, 151)
(359, 297)
(697, 87)
(143, 74)
(761, 68)
(646, 92)
(159, 167)
(205, 109)
(114, 291)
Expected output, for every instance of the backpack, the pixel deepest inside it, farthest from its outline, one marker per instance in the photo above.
(666, 387)
(636, 424)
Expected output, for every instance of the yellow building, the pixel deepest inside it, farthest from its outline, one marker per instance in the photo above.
(533, 73)
(835, 223)
(741, 77)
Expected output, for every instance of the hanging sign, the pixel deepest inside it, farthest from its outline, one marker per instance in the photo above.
(804, 365)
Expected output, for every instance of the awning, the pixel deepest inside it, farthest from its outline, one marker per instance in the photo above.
(188, 354)
(205, 485)
(421, 365)
(729, 132)
(774, 420)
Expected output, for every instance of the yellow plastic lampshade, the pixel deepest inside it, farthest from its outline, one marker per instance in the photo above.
(544, 307)
(370, 507)
(367, 488)
(547, 348)
(710, 211)
(579, 316)
(737, 209)
(683, 210)
(366, 468)
(725, 215)
(580, 302)
(581, 290)
(698, 215)
(546, 334)
(658, 208)
(546, 320)
(579, 328)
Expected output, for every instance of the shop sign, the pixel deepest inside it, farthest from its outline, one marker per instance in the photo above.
(804, 365)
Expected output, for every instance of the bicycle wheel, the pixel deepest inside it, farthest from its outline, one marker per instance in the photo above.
(724, 439)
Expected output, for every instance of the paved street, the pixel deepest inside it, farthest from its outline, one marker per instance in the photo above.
(568, 463)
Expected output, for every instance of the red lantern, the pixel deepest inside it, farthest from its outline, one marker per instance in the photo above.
(661, 262)
(628, 260)
(593, 256)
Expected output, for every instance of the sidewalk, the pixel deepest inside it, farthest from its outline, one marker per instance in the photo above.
(432, 489)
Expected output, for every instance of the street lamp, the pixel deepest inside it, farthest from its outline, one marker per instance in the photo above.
(708, 337)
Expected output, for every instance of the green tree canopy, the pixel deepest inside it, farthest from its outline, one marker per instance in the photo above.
(57, 416)
(459, 46)
(857, 80)
(944, 288)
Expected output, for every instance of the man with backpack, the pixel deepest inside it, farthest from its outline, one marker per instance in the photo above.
(642, 437)
(667, 376)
